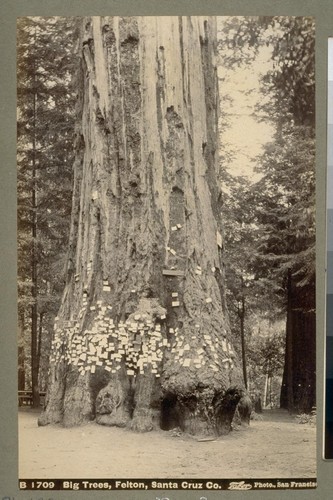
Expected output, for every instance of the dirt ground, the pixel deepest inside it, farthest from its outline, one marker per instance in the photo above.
(275, 447)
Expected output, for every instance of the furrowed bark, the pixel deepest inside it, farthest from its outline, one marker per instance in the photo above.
(142, 338)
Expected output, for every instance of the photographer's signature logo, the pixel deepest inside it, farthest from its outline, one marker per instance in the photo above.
(240, 485)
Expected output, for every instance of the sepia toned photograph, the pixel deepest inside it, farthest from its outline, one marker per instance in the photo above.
(166, 252)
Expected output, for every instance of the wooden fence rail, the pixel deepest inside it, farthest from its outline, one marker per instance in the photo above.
(25, 398)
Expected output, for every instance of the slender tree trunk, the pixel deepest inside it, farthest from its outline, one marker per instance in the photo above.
(21, 352)
(266, 391)
(287, 396)
(34, 307)
(40, 338)
(242, 332)
(142, 338)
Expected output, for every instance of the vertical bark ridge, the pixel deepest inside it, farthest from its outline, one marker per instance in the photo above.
(143, 319)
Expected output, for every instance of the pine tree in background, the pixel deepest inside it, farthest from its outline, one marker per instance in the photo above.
(276, 214)
(286, 200)
(287, 236)
(45, 109)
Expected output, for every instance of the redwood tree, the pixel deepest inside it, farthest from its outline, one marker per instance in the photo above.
(142, 337)
(282, 203)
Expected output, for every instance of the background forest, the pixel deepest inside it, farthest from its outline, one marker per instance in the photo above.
(267, 197)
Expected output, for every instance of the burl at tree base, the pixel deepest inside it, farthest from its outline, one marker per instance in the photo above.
(142, 337)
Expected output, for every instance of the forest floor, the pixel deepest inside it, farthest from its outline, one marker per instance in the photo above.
(275, 446)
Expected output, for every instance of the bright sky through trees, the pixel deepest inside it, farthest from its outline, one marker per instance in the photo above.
(246, 132)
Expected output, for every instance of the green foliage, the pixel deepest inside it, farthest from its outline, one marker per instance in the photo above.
(266, 353)
(45, 125)
(307, 418)
(285, 206)
(270, 223)
(291, 81)
(239, 40)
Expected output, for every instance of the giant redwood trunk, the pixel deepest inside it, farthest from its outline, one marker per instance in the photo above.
(142, 337)
(298, 391)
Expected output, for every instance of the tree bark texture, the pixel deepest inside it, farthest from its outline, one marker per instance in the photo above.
(34, 271)
(21, 352)
(142, 337)
(242, 332)
(298, 391)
